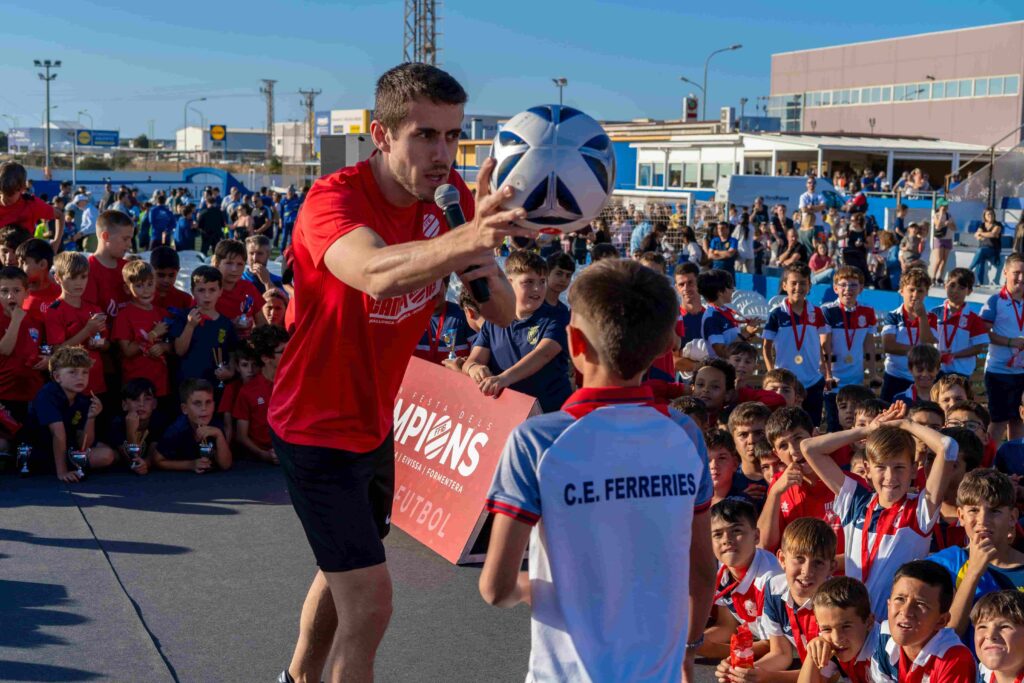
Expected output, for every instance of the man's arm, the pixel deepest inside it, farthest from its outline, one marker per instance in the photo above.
(363, 261)
(502, 584)
(702, 574)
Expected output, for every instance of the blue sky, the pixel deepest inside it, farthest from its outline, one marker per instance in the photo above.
(136, 63)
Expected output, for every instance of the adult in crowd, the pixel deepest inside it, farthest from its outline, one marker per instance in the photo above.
(290, 205)
(17, 207)
(642, 228)
(108, 197)
(210, 224)
(370, 250)
(811, 203)
(943, 229)
(990, 244)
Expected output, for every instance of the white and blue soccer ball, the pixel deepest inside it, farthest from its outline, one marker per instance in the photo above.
(561, 164)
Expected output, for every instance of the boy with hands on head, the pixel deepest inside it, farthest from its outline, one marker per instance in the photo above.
(884, 529)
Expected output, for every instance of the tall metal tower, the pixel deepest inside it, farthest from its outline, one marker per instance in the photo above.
(308, 99)
(420, 39)
(268, 91)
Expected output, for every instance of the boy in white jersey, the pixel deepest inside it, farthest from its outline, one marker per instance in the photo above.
(999, 636)
(1004, 365)
(963, 335)
(884, 529)
(848, 329)
(574, 483)
(905, 327)
(847, 633)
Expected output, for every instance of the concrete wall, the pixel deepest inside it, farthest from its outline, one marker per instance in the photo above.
(966, 53)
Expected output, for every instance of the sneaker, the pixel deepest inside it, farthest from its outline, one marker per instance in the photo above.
(285, 677)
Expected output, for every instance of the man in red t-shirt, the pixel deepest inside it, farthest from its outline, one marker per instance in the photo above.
(17, 207)
(370, 249)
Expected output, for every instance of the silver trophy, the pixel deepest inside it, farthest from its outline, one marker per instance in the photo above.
(449, 340)
(78, 459)
(205, 449)
(97, 339)
(24, 454)
(221, 366)
(134, 451)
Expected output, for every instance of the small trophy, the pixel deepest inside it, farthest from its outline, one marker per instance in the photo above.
(78, 458)
(46, 350)
(24, 454)
(134, 451)
(97, 340)
(243, 320)
(206, 450)
(449, 340)
(218, 358)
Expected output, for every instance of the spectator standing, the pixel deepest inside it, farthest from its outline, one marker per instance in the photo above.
(811, 202)
(990, 242)
(289, 214)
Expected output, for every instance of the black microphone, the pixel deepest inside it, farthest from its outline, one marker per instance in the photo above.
(447, 199)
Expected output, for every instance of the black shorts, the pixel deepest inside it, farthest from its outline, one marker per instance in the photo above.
(1004, 393)
(343, 500)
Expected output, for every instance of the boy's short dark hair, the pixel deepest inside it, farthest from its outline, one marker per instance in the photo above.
(467, 302)
(741, 348)
(722, 366)
(787, 419)
(930, 574)
(924, 356)
(524, 261)
(972, 407)
(70, 357)
(734, 511)
(854, 393)
(762, 447)
(653, 257)
(193, 385)
(561, 260)
(228, 248)
(1006, 604)
(112, 220)
(690, 405)
(134, 389)
(871, 408)
(35, 249)
(849, 273)
(988, 486)
(12, 236)
(162, 258)
(927, 407)
(631, 312)
(399, 87)
(810, 536)
(971, 449)
(14, 273)
(266, 339)
(602, 251)
(748, 413)
(799, 269)
(686, 268)
(205, 274)
(713, 283)
(843, 592)
(13, 177)
(962, 276)
(787, 378)
(720, 438)
(245, 351)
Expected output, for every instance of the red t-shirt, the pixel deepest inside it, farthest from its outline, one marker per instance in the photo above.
(227, 399)
(337, 381)
(18, 381)
(242, 298)
(809, 501)
(251, 404)
(105, 288)
(955, 664)
(134, 324)
(38, 301)
(174, 298)
(64, 321)
(27, 212)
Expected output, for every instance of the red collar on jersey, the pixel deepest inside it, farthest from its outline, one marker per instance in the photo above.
(586, 400)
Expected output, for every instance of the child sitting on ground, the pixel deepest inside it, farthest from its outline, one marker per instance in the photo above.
(847, 633)
(195, 441)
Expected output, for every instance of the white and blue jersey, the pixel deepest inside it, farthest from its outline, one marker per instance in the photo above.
(894, 324)
(848, 342)
(745, 598)
(959, 331)
(781, 330)
(1006, 315)
(611, 484)
(779, 607)
(943, 659)
(718, 326)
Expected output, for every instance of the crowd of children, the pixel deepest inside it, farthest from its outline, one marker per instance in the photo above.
(860, 536)
(104, 362)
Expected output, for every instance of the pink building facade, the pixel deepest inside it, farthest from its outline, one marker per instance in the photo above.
(962, 85)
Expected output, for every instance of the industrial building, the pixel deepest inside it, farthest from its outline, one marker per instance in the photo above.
(962, 85)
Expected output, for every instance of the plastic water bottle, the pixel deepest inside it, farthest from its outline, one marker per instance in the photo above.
(741, 646)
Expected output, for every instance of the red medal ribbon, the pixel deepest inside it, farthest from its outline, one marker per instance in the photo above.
(885, 524)
(718, 582)
(798, 636)
(946, 337)
(803, 320)
(848, 330)
(729, 314)
(917, 324)
(1018, 679)
(440, 332)
(1013, 302)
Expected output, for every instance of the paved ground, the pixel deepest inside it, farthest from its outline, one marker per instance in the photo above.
(178, 577)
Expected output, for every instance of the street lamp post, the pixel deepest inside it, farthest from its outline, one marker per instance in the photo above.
(46, 64)
(85, 112)
(184, 127)
(704, 109)
(560, 83)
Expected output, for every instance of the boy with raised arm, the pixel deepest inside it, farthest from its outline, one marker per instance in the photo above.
(884, 529)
